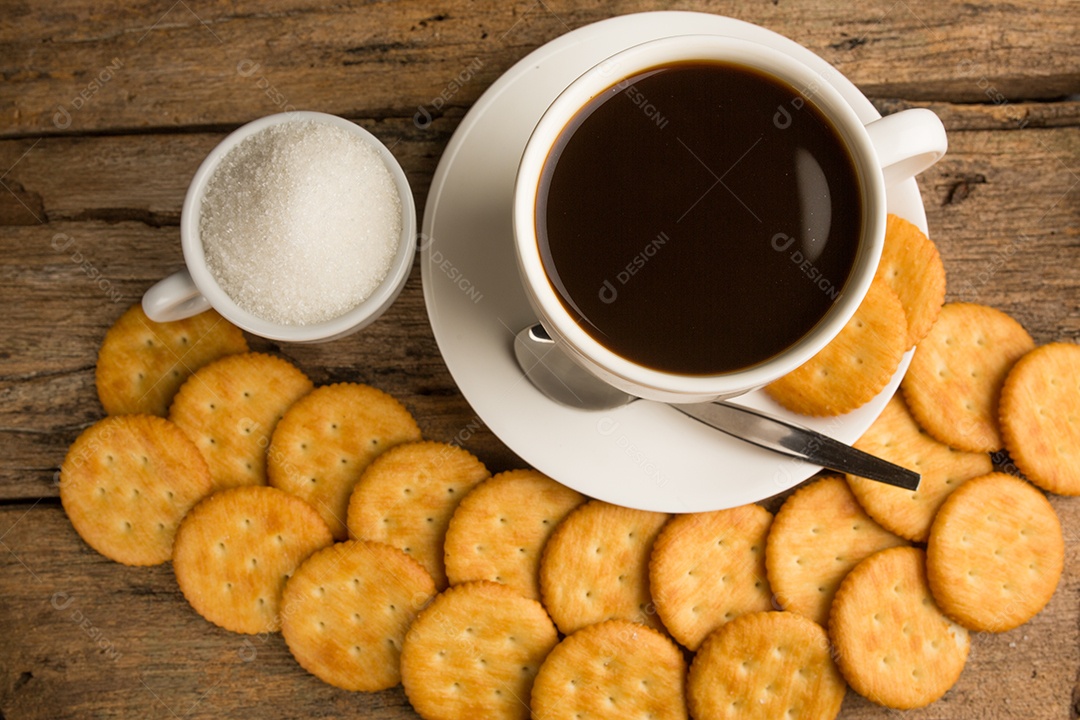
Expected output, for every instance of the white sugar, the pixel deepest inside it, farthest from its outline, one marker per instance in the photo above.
(300, 222)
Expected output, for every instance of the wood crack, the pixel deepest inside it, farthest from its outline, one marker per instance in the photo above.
(118, 215)
(30, 502)
(960, 189)
(46, 374)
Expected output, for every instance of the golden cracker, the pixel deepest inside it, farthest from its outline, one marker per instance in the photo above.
(955, 377)
(995, 553)
(327, 439)
(708, 568)
(142, 363)
(820, 533)
(855, 366)
(911, 266)
(407, 496)
(763, 666)
(235, 550)
(596, 566)
(892, 643)
(896, 437)
(1040, 417)
(614, 669)
(230, 407)
(500, 528)
(345, 611)
(474, 652)
(126, 484)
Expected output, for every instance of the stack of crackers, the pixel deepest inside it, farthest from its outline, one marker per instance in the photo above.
(384, 558)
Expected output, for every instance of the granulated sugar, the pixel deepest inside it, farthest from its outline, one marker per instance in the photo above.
(300, 222)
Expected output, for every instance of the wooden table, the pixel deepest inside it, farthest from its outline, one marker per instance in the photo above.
(107, 111)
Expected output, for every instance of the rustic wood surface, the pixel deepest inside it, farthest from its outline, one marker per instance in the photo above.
(106, 111)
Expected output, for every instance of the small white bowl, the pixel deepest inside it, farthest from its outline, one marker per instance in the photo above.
(189, 292)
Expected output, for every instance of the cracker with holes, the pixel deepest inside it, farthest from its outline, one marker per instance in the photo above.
(126, 484)
(230, 407)
(142, 363)
(500, 528)
(855, 366)
(995, 554)
(613, 669)
(820, 533)
(892, 643)
(596, 566)
(955, 378)
(763, 666)
(328, 438)
(896, 437)
(235, 550)
(1040, 417)
(707, 568)
(474, 652)
(911, 266)
(345, 611)
(407, 496)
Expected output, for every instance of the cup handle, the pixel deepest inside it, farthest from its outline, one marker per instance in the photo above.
(907, 143)
(174, 298)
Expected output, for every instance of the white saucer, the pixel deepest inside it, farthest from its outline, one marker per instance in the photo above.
(643, 455)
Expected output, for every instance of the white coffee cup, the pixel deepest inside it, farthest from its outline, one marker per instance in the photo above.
(195, 289)
(885, 151)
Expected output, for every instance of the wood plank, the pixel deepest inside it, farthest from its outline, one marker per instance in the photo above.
(1002, 207)
(143, 178)
(113, 184)
(47, 377)
(97, 639)
(81, 69)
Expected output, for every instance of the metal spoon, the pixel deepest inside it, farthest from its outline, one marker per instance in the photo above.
(564, 381)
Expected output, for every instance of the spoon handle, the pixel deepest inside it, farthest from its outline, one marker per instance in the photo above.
(797, 441)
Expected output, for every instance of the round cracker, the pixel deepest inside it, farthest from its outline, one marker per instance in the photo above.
(1040, 417)
(596, 566)
(955, 377)
(613, 669)
(474, 652)
(995, 554)
(230, 407)
(911, 266)
(893, 645)
(326, 440)
(896, 437)
(820, 533)
(126, 484)
(708, 568)
(855, 366)
(407, 496)
(500, 528)
(345, 611)
(765, 665)
(235, 550)
(142, 363)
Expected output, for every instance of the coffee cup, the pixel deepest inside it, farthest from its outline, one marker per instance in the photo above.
(697, 216)
(196, 289)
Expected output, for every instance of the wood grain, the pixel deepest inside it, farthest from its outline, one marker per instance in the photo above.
(107, 110)
(84, 69)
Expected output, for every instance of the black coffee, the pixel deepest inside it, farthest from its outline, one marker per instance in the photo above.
(699, 218)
